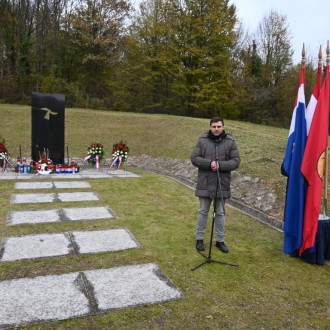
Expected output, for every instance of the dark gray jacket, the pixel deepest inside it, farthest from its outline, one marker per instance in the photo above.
(229, 159)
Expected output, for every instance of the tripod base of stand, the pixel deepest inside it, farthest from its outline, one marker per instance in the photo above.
(209, 260)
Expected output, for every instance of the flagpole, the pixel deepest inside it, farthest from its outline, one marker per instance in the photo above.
(325, 192)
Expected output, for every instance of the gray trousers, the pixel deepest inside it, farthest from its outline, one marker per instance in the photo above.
(219, 219)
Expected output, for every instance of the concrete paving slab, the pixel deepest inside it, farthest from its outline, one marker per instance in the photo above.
(44, 298)
(96, 176)
(92, 171)
(33, 217)
(106, 173)
(51, 185)
(79, 242)
(58, 297)
(33, 185)
(71, 184)
(88, 213)
(35, 246)
(84, 173)
(25, 176)
(7, 176)
(66, 176)
(131, 285)
(117, 172)
(32, 198)
(77, 197)
(104, 240)
(52, 197)
(58, 215)
(124, 175)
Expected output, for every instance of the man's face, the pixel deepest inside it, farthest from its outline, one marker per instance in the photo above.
(217, 128)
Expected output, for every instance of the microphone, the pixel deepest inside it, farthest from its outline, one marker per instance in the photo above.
(216, 151)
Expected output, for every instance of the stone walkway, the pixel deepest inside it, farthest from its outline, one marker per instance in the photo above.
(37, 198)
(57, 297)
(51, 185)
(58, 215)
(68, 243)
(86, 173)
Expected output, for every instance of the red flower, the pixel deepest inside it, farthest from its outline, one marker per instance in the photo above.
(120, 149)
(3, 148)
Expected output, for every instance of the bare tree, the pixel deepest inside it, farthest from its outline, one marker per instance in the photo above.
(16, 28)
(274, 47)
(97, 27)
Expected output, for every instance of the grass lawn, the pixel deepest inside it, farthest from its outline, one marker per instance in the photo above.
(262, 148)
(267, 291)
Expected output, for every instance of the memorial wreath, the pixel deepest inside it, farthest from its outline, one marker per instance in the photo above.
(4, 156)
(119, 154)
(44, 165)
(95, 153)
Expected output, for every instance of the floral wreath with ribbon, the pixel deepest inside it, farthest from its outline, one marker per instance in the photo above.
(95, 153)
(120, 152)
(4, 154)
(44, 165)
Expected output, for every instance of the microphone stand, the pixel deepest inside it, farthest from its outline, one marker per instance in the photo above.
(208, 259)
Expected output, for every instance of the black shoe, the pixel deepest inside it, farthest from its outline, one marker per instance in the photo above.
(222, 246)
(200, 245)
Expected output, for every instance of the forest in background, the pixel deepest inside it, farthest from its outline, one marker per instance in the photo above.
(180, 57)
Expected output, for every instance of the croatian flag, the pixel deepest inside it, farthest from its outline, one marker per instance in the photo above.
(314, 165)
(296, 184)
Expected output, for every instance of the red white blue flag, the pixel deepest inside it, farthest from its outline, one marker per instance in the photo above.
(296, 184)
(313, 100)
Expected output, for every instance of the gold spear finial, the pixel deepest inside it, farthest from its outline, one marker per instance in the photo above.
(320, 57)
(303, 56)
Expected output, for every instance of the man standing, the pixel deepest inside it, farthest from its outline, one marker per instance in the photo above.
(215, 155)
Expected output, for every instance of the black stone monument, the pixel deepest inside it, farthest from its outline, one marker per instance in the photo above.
(47, 116)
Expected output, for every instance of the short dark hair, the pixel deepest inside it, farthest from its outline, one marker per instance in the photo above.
(215, 120)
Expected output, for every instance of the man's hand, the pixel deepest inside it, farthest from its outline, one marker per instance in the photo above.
(214, 165)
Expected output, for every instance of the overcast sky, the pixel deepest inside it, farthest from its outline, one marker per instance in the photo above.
(308, 22)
